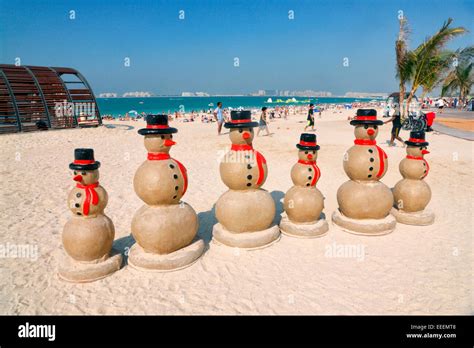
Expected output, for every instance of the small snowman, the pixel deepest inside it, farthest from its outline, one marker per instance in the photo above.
(88, 236)
(165, 228)
(412, 194)
(364, 201)
(303, 202)
(245, 212)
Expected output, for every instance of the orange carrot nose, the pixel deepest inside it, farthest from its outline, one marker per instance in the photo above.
(370, 131)
(169, 142)
(310, 156)
(246, 135)
(424, 152)
(77, 178)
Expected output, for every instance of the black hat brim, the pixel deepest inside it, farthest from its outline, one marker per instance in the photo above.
(241, 125)
(417, 144)
(148, 131)
(92, 166)
(369, 122)
(304, 147)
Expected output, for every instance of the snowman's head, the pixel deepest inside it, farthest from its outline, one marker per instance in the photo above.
(159, 143)
(86, 177)
(307, 155)
(241, 136)
(417, 151)
(366, 131)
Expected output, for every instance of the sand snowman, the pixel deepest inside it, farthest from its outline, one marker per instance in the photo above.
(245, 212)
(165, 228)
(412, 194)
(88, 236)
(303, 202)
(365, 202)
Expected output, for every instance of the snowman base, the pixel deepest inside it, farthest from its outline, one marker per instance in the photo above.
(366, 227)
(245, 240)
(139, 259)
(315, 229)
(84, 272)
(419, 218)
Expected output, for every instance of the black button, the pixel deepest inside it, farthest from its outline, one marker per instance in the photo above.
(171, 166)
(371, 168)
(249, 166)
(176, 188)
(249, 177)
(174, 197)
(310, 177)
(424, 164)
(78, 194)
(370, 175)
(77, 205)
(310, 169)
(371, 160)
(424, 171)
(370, 150)
(307, 184)
(78, 213)
(175, 176)
(249, 184)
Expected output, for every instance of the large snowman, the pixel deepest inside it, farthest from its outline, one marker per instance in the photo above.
(164, 228)
(364, 201)
(88, 236)
(303, 202)
(245, 212)
(412, 194)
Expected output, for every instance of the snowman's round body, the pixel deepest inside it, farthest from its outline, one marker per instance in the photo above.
(412, 193)
(89, 234)
(164, 224)
(364, 196)
(304, 203)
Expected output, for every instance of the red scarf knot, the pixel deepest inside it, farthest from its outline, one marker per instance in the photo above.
(381, 153)
(260, 159)
(420, 158)
(317, 172)
(91, 196)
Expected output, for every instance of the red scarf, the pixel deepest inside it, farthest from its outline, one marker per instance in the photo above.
(420, 158)
(182, 169)
(381, 153)
(260, 159)
(91, 196)
(317, 172)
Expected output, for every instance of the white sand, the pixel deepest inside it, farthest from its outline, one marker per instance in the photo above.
(414, 270)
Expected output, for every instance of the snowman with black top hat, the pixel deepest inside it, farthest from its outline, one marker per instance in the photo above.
(364, 201)
(165, 228)
(304, 203)
(88, 236)
(412, 194)
(245, 212)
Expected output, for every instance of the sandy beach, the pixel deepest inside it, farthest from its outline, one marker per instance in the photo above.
(414, 270)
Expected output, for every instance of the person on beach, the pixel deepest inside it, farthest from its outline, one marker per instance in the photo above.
(262, 124)
(310, 118)
(396, 126)
(219, 117)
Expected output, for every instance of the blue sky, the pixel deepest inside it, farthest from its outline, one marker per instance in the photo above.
(169, 55)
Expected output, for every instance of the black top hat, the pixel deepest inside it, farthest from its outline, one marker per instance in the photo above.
(366, 116)
(157, 124)
(307, 142)
(84, 160)
(240, 119)
(417, 138)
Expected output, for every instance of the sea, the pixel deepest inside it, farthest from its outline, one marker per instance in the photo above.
(120, 106)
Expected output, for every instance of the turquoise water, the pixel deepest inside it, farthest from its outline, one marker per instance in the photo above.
(120, 106)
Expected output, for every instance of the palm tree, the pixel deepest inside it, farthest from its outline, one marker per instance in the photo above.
(404, 63)
(429, 59)
(460, 79)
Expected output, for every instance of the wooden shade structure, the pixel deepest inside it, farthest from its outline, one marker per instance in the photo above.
(37, 97)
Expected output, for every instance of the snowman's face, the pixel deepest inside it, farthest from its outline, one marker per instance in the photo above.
(417, 151)
(159, 143)
(307, 155)
(366, 131)
(241, 136)
(86, 177)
